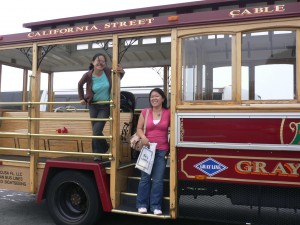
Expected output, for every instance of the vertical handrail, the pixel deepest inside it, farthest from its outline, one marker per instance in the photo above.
(175, 67)
(35, 89)
(114, 179)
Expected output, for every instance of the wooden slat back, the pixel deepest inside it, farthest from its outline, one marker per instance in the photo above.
(74, 127)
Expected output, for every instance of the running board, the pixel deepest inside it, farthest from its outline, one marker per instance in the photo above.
(140, 214)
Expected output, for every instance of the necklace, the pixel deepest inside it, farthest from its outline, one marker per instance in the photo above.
(158, 114)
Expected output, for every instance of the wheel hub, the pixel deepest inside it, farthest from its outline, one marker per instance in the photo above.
(75, 199)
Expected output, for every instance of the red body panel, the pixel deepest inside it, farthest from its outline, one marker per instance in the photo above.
(253, 166)
(247, 166)
(99, 173)
(239, 130)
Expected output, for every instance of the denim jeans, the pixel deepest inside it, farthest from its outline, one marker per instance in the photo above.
(150, 191)
(99, 111)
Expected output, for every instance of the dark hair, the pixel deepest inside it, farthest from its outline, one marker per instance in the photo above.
(162, 94)
(94, 58)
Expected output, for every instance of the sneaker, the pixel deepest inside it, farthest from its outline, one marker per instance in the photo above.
(157, 212)
(142, 210)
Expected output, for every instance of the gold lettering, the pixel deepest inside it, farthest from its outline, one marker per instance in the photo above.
(267, 10)
(279, 8)
(259, 168)
(243, 167)
(141, 22)
(31, 35)
(279, 169)
(78, 29)
(128, 23)
(114, 25)
(149, 21)
(70, 30)
(132, 23)
(246, 12)
(107, 26)
(37, 34)
(44, 32)
(56, 31)
(234, 13)
(258, 10)
(293, 168)
(123, 24)
(63, 31)
(94, 27)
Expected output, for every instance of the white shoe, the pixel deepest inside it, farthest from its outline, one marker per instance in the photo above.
(142, 210)
(157, 212)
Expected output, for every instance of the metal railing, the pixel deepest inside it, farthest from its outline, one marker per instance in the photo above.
(27, 133)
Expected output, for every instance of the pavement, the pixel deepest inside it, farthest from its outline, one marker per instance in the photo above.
(21, 208)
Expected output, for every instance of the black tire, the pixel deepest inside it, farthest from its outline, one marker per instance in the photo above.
(73, 199)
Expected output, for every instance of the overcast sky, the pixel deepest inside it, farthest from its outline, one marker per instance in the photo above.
(15, 13)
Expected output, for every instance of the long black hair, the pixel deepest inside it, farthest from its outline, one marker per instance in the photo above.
(162, 94)
(94, 58)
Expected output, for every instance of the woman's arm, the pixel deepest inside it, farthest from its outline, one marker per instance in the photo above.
(81, 82)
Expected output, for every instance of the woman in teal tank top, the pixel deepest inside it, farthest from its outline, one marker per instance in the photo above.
(98, 87)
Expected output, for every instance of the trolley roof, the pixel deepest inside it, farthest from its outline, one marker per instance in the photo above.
(68, 57)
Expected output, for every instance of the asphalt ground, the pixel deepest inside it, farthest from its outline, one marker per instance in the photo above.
(21, 208)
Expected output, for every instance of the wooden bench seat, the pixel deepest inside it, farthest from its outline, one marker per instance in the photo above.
(19, 129)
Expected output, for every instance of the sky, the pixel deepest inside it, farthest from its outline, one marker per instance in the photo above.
(15, 13)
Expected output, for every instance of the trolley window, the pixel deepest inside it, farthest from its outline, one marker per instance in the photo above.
(206, 67)
(268, 59)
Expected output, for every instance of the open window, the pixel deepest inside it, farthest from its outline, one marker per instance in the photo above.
(206, 67)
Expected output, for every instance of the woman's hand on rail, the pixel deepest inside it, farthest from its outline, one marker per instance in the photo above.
(120, 69)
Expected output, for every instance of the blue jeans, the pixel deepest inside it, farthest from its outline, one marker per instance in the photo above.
(150, 192)
(99, 111)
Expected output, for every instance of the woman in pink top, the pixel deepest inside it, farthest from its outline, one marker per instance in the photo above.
(150, 191)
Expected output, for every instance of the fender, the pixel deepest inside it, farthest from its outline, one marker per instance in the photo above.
(98, 169)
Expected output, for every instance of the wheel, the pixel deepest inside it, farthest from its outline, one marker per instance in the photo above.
(73, 199)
